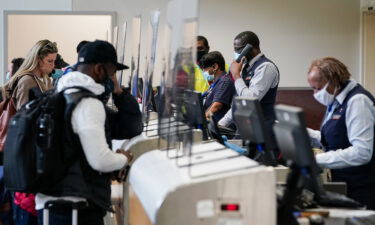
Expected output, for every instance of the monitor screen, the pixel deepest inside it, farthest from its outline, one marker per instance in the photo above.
(295, 146)
(294, 142)
(250, 122)
(292, 137)
(249, 119)
(193, 111)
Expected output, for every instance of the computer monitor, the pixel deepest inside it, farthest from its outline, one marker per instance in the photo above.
(294, 142)
(194, 114)
(295, 146)
(250, 122)
(214, 130)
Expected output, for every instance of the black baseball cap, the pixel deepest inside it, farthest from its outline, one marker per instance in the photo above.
(99, 52)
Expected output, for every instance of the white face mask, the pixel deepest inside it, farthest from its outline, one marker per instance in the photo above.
(208, 76)
(324, 97)
(236, 55)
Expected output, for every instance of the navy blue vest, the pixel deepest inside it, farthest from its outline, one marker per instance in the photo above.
(335, 136)
(268, 100)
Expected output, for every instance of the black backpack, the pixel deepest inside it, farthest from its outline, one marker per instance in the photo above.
(41, 146)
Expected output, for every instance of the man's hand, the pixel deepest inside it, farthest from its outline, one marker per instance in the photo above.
(208, 115)
(235, 68)
(121, 174)
(117, 87)
(128, 154)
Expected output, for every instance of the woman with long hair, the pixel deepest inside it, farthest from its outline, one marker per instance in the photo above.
(39, 62)
(32, 77)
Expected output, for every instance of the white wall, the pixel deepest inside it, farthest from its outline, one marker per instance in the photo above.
(54, 28)
(292, 32)
(368, 3)
(55, 5)
(126, 10)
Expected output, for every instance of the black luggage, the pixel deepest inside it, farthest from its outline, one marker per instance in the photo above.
(55, 204)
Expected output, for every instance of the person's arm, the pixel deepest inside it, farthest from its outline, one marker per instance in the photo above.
(216, 106)
(127, 121)
(315, 137)
(265, 77)
(88, 121)
(22, 90)
(360, 125)
(315, 134)
(227, 119)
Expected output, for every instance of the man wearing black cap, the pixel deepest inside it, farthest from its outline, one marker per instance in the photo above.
(95, 125)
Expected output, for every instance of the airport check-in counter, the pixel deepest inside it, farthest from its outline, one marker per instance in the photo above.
(145, 142)
(219, 187)
(187, 186)
(150, 140)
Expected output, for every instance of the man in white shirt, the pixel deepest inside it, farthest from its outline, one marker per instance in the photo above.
(255, 76)
(89, 178)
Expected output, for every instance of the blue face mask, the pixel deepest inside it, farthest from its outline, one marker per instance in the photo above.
(7, 76)
(57, 74)
(207, 76)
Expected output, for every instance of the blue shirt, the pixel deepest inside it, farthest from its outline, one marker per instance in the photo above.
(222, 90)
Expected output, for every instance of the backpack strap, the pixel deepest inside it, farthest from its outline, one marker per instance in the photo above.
(9, 87)
(77, 87)
(72, 100)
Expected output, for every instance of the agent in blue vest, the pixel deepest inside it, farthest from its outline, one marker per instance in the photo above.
(256, 76)
(347, 131)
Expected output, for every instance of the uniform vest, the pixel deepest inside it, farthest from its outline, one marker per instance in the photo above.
(334, 135)
(268, 100)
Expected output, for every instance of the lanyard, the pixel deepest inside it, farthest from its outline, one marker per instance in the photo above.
(212, 86)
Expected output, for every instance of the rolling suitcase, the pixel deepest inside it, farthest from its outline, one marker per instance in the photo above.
(63, 204)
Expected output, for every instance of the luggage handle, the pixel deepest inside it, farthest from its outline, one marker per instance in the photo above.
(63, 203)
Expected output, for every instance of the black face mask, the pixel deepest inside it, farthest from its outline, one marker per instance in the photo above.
(109, 86)
(200, 54)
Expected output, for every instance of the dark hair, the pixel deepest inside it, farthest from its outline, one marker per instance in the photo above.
(248, 37)
(81, 44)
(60, 63)
(211, 58)
(17, 62)
(204, 40)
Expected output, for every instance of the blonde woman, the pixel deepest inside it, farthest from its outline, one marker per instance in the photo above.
(39, 62)
(32, 75)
